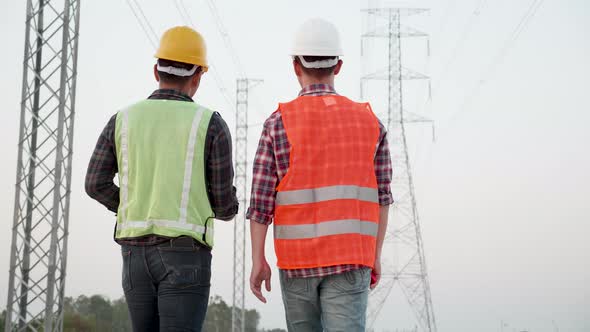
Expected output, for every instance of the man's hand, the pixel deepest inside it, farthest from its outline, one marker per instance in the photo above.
(376, 274)
(260, 272)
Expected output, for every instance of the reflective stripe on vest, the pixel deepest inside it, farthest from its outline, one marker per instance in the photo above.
(304, 196)
(125, 161)
(327, 205)
(326, 228)
(162, 223)
(188, 166)
(164, 207)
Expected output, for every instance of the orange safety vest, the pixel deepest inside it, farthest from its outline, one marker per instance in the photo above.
(327, 206)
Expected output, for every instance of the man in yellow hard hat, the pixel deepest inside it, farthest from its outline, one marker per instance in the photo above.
(174, 162)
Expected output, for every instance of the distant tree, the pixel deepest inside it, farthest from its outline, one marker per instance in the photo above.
(2, 320)
(74, 322)
(96, 310)
(121, 320)
(97, 314)
(36, 324)
(218, 318)
(252, 320)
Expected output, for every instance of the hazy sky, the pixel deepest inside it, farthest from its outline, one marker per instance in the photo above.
(502, 193)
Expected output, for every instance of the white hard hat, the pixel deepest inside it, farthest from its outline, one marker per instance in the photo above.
(317, 37)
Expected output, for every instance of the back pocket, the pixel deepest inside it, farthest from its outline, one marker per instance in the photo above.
(351, 281)
(186, 267)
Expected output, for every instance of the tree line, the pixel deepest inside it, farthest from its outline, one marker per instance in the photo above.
(98, 314)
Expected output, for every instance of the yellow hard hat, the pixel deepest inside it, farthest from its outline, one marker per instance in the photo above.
(183, 44)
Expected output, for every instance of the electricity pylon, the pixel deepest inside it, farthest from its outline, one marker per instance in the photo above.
(42, 198)
(241, 168)
(403, 263)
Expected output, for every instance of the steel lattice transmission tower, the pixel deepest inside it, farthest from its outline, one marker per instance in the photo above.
(404, 265)
(241, 169)
(42, 197)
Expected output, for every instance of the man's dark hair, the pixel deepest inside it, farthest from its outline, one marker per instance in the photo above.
(317, 72)
(173, 79)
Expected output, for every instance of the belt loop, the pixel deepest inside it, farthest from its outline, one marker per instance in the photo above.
(170, 242)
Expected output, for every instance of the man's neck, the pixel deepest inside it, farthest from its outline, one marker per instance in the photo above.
(173, 87)
(307, 81)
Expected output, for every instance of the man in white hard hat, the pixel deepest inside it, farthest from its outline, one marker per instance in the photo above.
(173, 157)
(322, 174)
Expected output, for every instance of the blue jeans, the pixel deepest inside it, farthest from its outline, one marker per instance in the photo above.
(167, 286)
(333, 303)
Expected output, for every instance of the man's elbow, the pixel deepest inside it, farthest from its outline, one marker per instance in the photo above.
(227, 214)
(91, 188)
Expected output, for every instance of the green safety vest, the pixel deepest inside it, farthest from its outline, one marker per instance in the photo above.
(160, 153)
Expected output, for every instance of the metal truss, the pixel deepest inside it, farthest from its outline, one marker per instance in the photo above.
(404, 264)
(44, 164)
(241, 169)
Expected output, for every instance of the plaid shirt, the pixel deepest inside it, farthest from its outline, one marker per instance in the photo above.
(219, 170)
(272, 162)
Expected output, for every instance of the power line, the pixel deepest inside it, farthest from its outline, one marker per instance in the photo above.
(456, 49)
(228, 43)
(142, 24)
(186, 17)
(461, 41)
(499, 57)
(226, 39)
(221, 87)
(146, 20)
(217, 78)
(530, 13)
(182, 17)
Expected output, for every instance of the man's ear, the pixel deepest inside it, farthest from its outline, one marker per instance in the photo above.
(196, 78)
(338, 66)
(156, 75)
(297, 68)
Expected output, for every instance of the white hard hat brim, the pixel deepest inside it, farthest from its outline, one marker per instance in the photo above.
(328, 63)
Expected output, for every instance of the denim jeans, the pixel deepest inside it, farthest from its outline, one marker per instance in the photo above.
(333, 303)
(167, 286)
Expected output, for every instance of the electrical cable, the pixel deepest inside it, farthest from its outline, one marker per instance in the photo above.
(226, 39)
(186, 11)
(460, 43)
(141, 24)
(499, 57)
(456, 49)
(216, 77)
(146, 20)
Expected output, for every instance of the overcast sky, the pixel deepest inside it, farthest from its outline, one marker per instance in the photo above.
(502, 193)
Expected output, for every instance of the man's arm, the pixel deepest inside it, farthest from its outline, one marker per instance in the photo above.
(381, 231)
(102, 169)
(383, 173)
(220, 170)
(261, 211)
